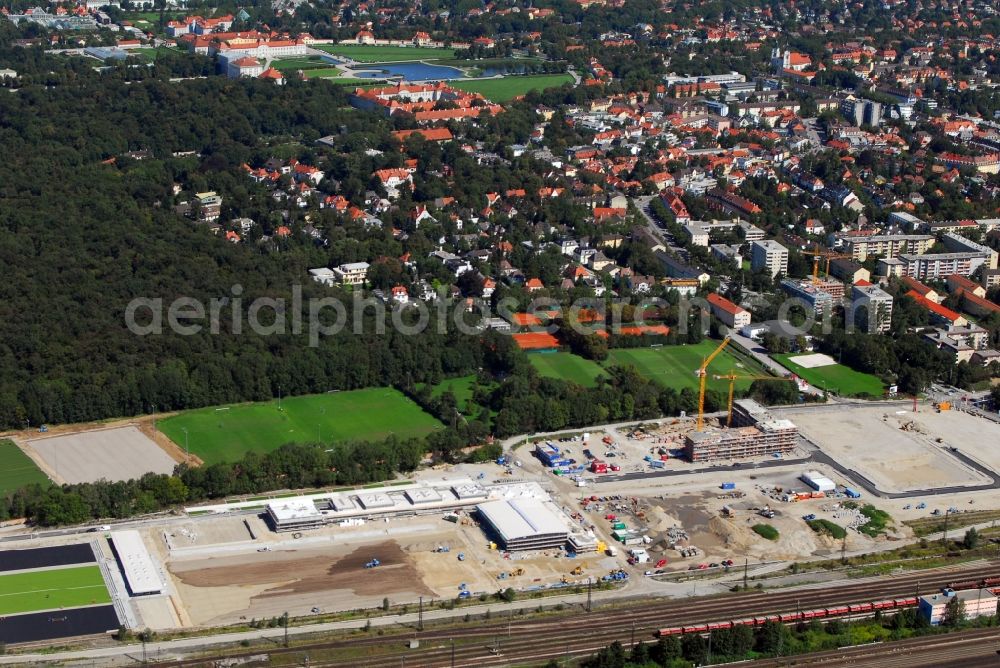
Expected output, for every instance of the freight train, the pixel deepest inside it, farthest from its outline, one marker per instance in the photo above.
(984, 583)
(787, 617)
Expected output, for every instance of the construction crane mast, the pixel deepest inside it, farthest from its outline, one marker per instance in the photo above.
(819, 254)
(732, 378)
(702, 374)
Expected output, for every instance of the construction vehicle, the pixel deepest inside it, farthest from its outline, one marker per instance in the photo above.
(732, 378)
(517, 571)
(577, 571)
(702, 374)
(374, 563)
(942, 406)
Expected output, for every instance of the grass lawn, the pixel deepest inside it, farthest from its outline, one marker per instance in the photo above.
(674, 366)
(226, 433)
(366, 53)
(765, 531)
(501, 90)
(835, 377)
(566, 366)
(52, 589)
(149, 54)
(17, 469)
(310, 62)
(333, 75)
(461, 387)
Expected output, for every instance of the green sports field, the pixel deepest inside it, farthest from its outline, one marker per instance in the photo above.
(501, 90)
(226, 433)
(461, 387)
(566, 366)
(17, 469)
(835, 377)
(674, 366)
(367, 53)
(52, 589)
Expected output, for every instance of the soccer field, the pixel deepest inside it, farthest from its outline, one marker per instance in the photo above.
(366, 53)
(675, 366)
(17, 469)
(835, 377)
(226, 433)
(501, 90)
(566, 366)
(52, 589)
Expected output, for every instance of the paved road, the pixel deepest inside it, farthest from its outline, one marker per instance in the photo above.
(759, 354)
(667, 239)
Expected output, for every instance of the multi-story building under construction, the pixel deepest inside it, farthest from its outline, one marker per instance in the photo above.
(755, 433)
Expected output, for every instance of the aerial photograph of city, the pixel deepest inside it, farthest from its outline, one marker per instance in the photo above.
(523, 333)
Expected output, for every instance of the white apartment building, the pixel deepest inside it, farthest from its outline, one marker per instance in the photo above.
(769, 255)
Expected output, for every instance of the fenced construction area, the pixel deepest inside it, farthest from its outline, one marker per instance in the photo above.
(52, 589)
(226, 433)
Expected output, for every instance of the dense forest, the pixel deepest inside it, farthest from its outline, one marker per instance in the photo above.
(81, 238)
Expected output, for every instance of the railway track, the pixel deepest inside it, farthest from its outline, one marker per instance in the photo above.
(961, 648)
(579, 633)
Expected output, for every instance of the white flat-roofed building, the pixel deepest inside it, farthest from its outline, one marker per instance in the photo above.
(351, 273)
(323, 276)
(342, 503)
(470, 491)
(975, 603)
(524, 524)
(375, 500)
(294, 514)
(137, 565)
(769, 255)
(422, 495)
(818, 481)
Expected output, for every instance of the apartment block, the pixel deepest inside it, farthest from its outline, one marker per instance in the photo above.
(732, 315)
(769, 255)
(887, 245)
(871, 308)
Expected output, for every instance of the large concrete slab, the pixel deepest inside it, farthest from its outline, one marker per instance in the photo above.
(122, 453)
(896, 449)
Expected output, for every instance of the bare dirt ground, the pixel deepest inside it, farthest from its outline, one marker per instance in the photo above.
(894, 449)
(116, 453)
(974, 436)
(266, 584)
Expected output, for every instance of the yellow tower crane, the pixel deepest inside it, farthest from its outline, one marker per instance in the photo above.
(702, 374)
(818, 254)
(732, 378)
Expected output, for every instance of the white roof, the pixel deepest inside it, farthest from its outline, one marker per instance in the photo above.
(423, 495)
(343, 502)
(375, 500)
(354, 266)
(140, 571)
(298, 508)
(521, 518)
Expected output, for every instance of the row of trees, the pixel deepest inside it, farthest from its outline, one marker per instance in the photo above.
(292, 466)
(774, 639)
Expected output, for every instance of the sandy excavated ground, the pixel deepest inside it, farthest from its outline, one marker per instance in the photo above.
(119, 453)
(267, 584)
